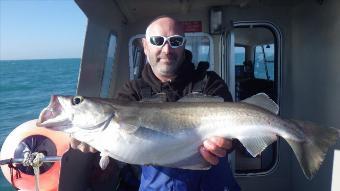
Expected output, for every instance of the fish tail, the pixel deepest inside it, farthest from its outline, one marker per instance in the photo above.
(311, 152)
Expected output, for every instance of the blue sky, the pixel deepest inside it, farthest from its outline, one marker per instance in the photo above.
(38, 29)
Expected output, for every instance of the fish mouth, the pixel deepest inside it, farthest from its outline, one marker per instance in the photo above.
(53, 116)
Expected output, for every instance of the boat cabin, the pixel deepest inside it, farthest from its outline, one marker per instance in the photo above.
(288, 49)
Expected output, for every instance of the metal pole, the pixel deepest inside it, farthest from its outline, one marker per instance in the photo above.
(20, 160)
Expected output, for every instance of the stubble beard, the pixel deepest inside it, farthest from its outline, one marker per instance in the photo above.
(168, 70)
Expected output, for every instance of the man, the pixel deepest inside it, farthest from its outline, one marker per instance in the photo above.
(171, 74)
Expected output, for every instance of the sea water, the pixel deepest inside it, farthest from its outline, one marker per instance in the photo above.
(25, 89)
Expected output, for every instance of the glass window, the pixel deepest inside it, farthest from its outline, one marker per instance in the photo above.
(200, 46)
(264, 62)
(240, 55)
(110, 58)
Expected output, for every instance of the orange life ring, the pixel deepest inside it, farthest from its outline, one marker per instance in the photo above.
(49, 177)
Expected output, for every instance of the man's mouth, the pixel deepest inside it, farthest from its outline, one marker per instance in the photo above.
(167, 57)
(167, 60)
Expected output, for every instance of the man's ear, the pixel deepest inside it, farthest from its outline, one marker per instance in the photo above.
(145, 46)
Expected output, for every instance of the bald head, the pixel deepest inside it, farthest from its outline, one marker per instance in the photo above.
(165, 23)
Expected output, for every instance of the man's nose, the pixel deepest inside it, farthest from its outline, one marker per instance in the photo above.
(167, 48)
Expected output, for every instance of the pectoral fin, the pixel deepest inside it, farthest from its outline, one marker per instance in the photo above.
(128, 128)
(129, 124)
(104, 160)
(255, 145)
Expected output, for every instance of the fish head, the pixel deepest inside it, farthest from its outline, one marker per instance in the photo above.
(67, 113)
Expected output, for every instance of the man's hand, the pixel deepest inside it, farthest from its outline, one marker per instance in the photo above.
(75, 144)
(215, 147)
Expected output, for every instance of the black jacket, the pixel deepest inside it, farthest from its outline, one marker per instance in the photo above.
(182, 85)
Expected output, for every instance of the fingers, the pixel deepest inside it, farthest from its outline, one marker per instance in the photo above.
(215, 147)
(86, 148)
(75, 144)
(208, 156)
(92, 150)
(222, 143)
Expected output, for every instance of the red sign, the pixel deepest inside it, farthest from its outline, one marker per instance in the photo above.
(192, 26)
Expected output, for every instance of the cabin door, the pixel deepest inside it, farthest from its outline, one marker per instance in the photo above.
(252, 65)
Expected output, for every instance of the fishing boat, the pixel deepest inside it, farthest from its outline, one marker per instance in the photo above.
(288, 49)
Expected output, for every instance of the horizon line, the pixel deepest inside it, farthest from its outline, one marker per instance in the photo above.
(37, 59)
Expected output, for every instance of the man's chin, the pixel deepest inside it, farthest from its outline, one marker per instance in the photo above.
(167, 69)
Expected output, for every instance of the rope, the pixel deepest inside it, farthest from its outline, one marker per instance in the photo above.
(35, 160)
(17, 173)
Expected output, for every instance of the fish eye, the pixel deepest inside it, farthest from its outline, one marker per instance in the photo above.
(77, 100)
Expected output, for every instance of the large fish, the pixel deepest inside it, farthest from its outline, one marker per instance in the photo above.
(169, 134)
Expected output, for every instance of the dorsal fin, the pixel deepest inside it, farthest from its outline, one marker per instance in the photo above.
(263, 100)
(199, 97)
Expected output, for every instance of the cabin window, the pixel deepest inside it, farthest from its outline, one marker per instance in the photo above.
(199, 44)
(108, 68)
(240, 56)
(264, 62)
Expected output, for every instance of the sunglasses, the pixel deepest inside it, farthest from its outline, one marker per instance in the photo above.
(174, 41)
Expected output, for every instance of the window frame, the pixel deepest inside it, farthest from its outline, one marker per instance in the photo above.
(109, 65)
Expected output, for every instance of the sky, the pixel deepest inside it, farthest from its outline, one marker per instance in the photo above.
(41, 29)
